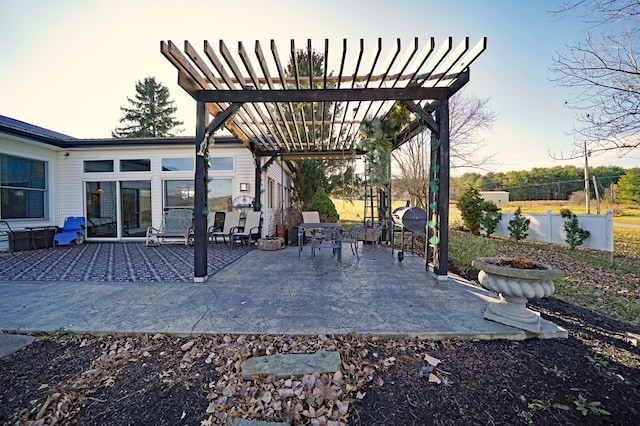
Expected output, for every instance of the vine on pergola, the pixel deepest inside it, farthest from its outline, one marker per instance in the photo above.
(377, 143)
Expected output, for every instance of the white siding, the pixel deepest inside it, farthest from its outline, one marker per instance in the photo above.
(67, 180)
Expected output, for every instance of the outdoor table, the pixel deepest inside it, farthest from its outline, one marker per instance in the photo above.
(320, 227)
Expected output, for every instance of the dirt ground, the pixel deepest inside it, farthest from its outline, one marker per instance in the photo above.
(593, 377)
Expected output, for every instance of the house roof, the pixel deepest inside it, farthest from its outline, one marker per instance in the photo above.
(271, 103)
(32, 132)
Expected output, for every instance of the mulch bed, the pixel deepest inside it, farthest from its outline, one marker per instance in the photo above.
(593, 377)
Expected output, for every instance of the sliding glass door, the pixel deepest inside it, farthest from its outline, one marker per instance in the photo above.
(136, 208)
(102, 207)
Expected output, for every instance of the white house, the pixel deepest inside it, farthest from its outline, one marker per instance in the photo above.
(496, 197)
(122, 186)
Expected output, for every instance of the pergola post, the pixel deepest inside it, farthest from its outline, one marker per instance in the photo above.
(440, 267)
(200, 201)
(257, 183)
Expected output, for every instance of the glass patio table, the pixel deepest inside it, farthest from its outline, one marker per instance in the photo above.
(319, 232)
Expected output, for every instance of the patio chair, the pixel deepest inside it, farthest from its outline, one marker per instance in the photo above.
(325, 238)
(371, 233)
(309, 217)
(231, 220)
(249, 231)
(177, 224)
(72, 232)
(6, 237)
(350, 236)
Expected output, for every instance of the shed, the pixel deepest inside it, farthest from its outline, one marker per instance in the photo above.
(496, 197)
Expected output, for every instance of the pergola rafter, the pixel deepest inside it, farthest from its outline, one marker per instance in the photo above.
(274, 112)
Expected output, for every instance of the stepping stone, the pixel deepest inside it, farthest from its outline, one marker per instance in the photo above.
(286, 365)
(245, 422)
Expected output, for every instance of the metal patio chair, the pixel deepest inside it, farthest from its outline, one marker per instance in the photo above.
(249, 231)
(177, 224)
(231, 220)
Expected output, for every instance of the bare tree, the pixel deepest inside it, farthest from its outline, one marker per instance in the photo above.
(411, 178)
(469, 117)
(605, 71)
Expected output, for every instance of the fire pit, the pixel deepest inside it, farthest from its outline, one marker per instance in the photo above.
(271, 243)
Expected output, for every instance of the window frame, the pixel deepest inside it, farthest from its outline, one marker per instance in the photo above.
(42, 192)
(105, 161)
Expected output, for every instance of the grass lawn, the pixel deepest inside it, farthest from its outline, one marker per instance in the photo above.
(353, 211)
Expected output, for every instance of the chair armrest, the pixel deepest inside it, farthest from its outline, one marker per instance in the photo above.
(214, 228)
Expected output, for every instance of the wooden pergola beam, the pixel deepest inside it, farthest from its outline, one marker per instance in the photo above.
(329, 95)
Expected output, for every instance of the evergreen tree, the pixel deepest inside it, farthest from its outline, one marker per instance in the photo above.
(308, 177)
(470, 206)
(575, 235)
(324, 206)
(629, 186)
(490, 217)
(151, 112)
(519, 226)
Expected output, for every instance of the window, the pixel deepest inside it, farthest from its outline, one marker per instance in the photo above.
(220, 193)
(221, 164)
(178, 164)
(135, 165)
(98, 166)
(271, 193)
(23, 188)
(179, 194)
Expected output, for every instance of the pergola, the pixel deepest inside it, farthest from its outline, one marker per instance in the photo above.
(258, 97)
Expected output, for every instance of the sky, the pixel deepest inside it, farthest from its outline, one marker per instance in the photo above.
(69, 65)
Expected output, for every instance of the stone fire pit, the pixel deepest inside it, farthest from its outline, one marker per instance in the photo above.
(271, 243)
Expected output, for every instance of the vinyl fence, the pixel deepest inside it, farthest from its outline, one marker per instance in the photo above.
(549, 228)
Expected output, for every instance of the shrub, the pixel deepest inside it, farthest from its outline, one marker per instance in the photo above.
(321, 203)
(519, 226)
(575, 235)
(464, 248)
(490, 217)
(470, 206)
(578, 198)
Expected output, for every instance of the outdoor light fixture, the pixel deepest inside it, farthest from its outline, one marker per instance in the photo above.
(244, 187)
(187, 193)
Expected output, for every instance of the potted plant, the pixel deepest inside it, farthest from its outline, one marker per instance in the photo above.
(516, 280)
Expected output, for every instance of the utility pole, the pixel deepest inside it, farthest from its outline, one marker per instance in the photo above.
(586, 178)
(595, 188)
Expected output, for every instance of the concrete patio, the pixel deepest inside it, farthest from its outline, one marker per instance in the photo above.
(255, 292)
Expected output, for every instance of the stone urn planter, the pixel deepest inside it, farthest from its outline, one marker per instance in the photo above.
(516, 281)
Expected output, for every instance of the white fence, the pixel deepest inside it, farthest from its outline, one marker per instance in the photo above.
(549, 228)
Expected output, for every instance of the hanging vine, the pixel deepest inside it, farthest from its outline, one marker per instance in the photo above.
(377, 141)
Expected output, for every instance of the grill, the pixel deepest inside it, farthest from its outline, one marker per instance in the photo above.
(412, 220)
